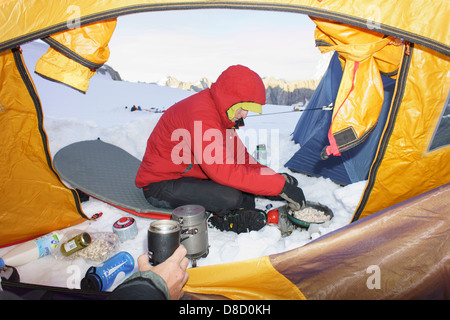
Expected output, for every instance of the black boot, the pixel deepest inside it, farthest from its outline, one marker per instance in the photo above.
(240, 220)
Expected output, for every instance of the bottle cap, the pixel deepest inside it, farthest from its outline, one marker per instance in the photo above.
(125, 228)
(91, 281)
(85, 239)
(273, 216)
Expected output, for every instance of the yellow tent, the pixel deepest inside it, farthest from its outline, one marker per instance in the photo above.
(412, 156)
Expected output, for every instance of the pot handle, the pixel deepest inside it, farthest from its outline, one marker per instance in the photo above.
(188, 233)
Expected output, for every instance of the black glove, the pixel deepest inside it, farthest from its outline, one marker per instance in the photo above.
(289, 178)
(294, 196)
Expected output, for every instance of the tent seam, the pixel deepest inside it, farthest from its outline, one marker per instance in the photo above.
(321, 13)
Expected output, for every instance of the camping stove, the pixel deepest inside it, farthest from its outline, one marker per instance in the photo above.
(194, 231)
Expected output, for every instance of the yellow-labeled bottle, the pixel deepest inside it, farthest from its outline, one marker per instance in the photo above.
(78, 242)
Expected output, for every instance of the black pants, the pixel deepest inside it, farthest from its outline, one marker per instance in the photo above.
(214, 197)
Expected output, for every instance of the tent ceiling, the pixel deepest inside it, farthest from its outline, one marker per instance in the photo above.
(27, 20)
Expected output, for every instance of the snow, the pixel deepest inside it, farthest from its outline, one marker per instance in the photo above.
(70, 116)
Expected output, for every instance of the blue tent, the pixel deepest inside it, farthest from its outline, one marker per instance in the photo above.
(312, 128)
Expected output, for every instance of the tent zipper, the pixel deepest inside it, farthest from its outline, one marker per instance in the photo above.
(20, 64)
(71, 54)
(397, 100)
(17, 52)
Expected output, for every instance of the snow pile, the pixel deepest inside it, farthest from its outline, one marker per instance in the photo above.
(70, 117)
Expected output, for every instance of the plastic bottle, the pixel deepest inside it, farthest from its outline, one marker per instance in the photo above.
(31, 250)
(78, 242)
(261, 154)
(112, 271)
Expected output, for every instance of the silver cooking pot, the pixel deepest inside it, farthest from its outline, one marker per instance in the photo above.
(194, 230)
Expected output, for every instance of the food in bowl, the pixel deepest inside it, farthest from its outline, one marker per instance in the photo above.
(310, 215)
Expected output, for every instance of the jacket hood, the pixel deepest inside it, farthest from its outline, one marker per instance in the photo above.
(237, 84)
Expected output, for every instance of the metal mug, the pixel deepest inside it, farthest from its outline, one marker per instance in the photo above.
(163, 239)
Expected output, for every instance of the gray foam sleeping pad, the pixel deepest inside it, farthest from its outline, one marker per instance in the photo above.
(105, 172)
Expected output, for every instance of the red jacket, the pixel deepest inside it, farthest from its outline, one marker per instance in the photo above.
(194, 138)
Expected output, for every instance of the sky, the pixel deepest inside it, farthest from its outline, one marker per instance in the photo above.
(192, 44)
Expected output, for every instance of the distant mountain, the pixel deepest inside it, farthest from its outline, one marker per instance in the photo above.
(107, 70)
(191, 86)
(278, 92)
(281, 92)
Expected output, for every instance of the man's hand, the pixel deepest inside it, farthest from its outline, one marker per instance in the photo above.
(173, 271)
(294, 196)
(290, 179)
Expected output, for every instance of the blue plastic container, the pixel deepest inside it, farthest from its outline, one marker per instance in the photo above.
(103, 277)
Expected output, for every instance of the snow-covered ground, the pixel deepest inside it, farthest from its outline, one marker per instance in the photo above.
(70, 116)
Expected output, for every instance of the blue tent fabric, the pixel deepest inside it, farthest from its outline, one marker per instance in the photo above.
(311, 133)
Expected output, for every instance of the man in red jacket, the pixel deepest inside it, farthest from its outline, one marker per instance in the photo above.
(194, 156)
